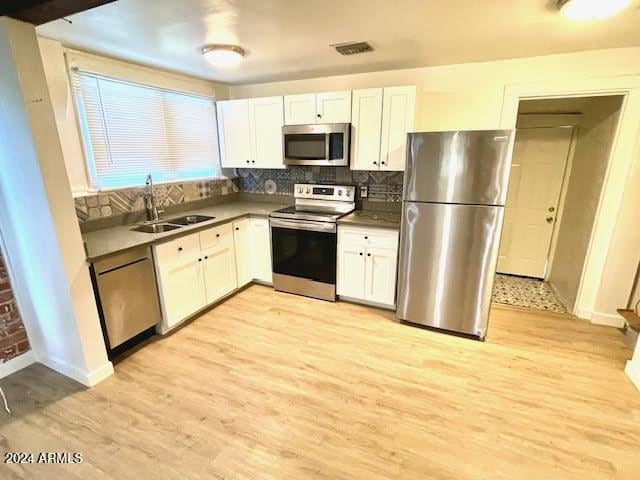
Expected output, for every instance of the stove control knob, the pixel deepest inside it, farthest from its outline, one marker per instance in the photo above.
(308, 191)
(348, 193)
(299, 189)
(340, 193)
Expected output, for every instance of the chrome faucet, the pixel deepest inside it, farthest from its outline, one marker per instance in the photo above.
(153, 212)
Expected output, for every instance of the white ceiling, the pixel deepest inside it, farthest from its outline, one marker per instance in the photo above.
(289, 39)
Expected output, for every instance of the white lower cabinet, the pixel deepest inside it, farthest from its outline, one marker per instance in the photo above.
(261, 249)
(253, 250)
(219, 271)
(242, 242)
(180, 279)
(367, 264)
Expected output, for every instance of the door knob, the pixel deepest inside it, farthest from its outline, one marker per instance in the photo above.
(549, 219)
(552, 209)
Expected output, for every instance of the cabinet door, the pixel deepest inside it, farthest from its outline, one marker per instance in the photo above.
(234, 133)
(244, 251)
(261, 249)
(366, 125)
(300, 109)
(182, 291)
(266, 117)
(333, 107)
(380, 278)
(398, 115)
(219, 271)
(351, 271)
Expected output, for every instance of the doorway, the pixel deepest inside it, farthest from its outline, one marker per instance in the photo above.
(560, 159)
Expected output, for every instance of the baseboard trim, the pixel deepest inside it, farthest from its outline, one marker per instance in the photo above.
(17, 363)
(607, 319)
(633, 372)
(584, 313)
(88, 379)
(366, 302)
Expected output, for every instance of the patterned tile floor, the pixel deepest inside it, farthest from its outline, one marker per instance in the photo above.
(526, 292)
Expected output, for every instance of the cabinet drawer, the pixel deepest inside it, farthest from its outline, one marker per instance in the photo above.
(215, 236)
(368, 237)
(176, 252)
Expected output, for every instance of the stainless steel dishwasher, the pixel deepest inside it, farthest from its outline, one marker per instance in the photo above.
(127, 294)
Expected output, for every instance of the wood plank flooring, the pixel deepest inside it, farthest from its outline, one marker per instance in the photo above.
(274, 386)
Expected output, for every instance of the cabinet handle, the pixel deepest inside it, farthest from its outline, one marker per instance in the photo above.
(368, 254)
(375, 163)
(253, 161)
(360, 253)
(237, 228)
(383, 163)
(366, 238)
(199, 259)
(179, 249)
(248, 161)
(319, 116)
(217, 235)
(206, 258)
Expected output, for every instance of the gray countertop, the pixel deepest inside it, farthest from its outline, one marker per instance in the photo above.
(372, 218)
(101, 243)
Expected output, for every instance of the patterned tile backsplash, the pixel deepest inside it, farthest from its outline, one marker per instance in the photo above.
(117, 202)
(383, 186)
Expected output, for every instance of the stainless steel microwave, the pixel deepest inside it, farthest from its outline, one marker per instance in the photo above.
(322, 144)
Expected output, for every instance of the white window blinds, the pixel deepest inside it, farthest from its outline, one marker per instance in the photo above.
(131, 130)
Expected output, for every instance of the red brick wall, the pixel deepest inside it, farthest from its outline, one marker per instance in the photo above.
(13, 337)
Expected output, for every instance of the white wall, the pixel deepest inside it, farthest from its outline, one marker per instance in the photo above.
(38, 218)
(594, 139)
(467, 96)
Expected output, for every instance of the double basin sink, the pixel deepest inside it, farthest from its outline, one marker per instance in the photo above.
(173, 224)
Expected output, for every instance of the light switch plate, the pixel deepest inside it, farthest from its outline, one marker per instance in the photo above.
(364, 191)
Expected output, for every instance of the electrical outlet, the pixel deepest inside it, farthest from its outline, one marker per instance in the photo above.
(364, 191)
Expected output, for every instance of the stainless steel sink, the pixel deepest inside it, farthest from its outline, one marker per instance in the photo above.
(155, 228)
(189, 220)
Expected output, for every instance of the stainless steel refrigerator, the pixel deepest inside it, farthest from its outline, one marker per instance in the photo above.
(455, 189)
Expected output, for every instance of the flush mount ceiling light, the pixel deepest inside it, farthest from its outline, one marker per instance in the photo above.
(583, 10)
(223, 55)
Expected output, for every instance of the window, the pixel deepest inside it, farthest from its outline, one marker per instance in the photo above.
(131, 130)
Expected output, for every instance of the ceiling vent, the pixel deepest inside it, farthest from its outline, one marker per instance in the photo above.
(353, 48)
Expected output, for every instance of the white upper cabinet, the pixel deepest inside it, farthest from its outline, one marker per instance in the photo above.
(250, 132)
(310, 108)
(266, 118)
(333, 107)
(398, 116)
(366, 126)
(233, 133)
(300, 109)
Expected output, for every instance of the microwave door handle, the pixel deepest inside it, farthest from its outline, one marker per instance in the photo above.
(327, 146)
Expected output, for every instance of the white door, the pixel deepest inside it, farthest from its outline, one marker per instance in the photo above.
(219, 271)
(537, 173)
(266, 116)
(333, 107)
(351, 270)
(366, 125)
(244, 251)
(261, 249)
(380, 278)
(234, 133)
(300, 109)
(398, 116)
(182, 291)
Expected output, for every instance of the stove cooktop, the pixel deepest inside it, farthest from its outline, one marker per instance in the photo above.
(308, 213)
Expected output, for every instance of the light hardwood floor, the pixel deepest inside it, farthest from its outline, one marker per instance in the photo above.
(274, 386)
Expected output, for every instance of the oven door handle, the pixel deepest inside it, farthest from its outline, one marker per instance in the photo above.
(306, 225)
